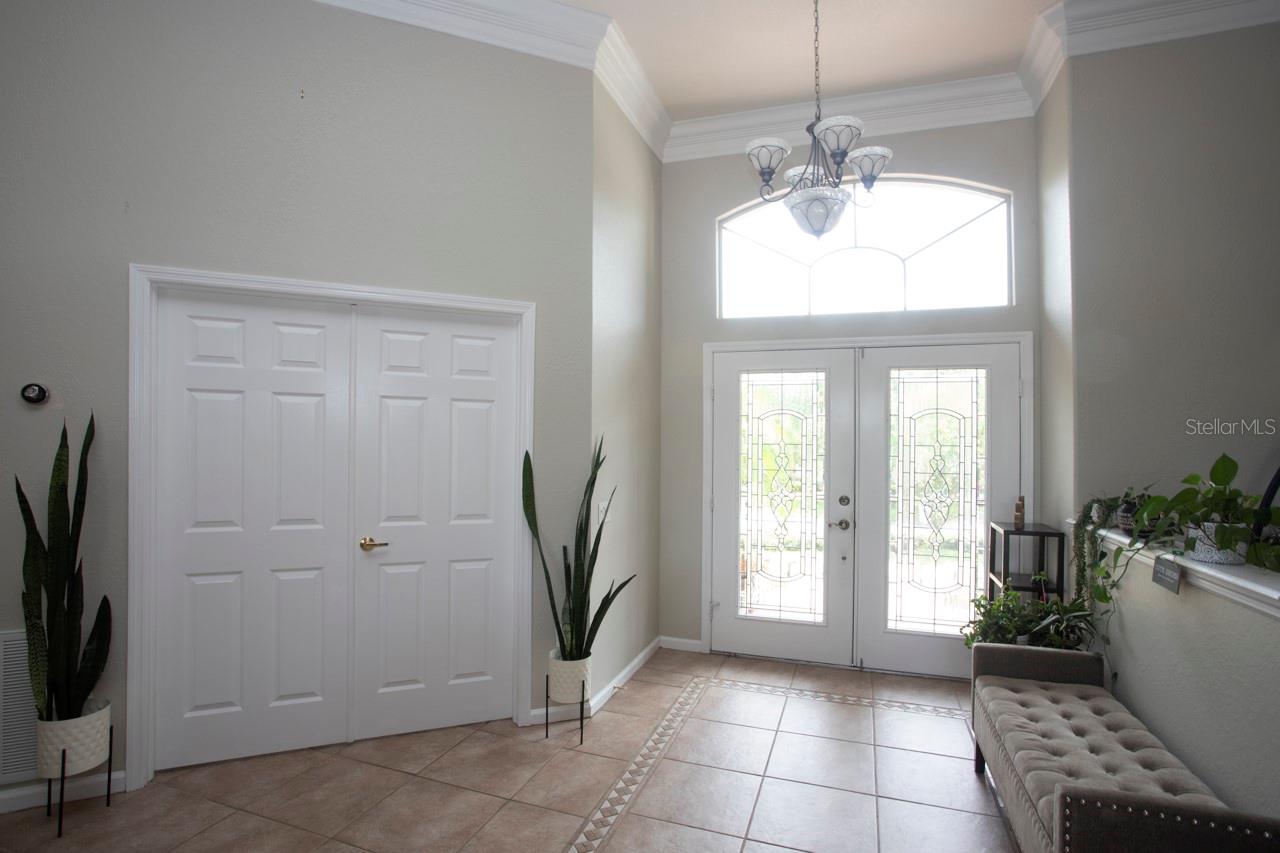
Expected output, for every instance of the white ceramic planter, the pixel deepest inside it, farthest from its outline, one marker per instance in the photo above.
(85, 738)
(1207, 552)
(567, 678)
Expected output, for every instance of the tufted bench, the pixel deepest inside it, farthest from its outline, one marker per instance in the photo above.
(1078, 773)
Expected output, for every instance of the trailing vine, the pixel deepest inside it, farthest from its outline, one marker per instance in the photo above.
(1085, 550)
(1099, 570)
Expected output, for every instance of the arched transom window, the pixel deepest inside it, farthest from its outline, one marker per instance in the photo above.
(923, 244)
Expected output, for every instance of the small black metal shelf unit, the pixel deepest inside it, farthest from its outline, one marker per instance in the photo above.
(999, 574)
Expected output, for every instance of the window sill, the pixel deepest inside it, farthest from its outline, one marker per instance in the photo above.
(1253, 587)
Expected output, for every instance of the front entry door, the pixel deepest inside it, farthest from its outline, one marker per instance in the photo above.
(940, 451)
(435, 467)
(782, 539)
(810, 562)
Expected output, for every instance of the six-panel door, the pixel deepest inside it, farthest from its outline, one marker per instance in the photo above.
(286, 432)
(252, 519)
(435, 479)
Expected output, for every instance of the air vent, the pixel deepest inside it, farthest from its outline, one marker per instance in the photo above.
(17, 711)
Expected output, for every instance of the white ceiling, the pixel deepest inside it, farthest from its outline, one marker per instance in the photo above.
(709, 57)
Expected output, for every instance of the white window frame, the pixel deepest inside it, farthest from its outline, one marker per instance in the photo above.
(904, 177)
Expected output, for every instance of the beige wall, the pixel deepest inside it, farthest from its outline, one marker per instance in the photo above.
(177, 133)
(694, 194)
(1174, 251)
(624, 378)
(1057, 348)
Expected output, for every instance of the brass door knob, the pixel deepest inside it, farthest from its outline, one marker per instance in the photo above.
(367, 543)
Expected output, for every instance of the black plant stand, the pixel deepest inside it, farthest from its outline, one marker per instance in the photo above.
(1001, 574)
(582, 712)
(62, 781)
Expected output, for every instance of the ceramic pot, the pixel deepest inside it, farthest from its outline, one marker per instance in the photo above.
(567, 678)
(85, 738)
(1208, 552)
(1125, 516)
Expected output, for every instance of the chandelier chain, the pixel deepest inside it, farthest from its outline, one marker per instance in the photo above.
(815, 195)
(817, 79)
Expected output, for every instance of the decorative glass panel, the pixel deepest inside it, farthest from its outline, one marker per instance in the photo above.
(937, 496)
(782, 483)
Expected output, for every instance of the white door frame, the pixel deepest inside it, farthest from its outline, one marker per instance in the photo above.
(146, 284)
(1026, 393)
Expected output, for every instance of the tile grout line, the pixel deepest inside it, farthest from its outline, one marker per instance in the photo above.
(746, 833)
(334, 836)
(875, 774)
(826, 787)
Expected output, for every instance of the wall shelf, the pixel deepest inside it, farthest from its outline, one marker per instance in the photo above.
(1254, 587)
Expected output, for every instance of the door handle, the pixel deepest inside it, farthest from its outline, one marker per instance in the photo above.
(843, 524)
(368, 544)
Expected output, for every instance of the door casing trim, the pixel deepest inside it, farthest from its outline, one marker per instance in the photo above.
(146, 284)
(1026, 375)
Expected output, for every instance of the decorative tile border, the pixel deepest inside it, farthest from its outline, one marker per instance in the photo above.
(597, 827)
(840, 698)
(595, 831)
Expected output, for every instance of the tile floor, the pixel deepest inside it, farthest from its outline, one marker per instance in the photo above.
(744, 770)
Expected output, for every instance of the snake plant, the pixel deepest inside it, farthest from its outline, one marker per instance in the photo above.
(576, 627)
(53, 575)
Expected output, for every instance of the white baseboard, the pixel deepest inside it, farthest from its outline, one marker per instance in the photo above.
(570, 712)
(28, 795)
(683, 644)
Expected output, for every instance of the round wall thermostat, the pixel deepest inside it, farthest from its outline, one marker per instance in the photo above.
(34, 393)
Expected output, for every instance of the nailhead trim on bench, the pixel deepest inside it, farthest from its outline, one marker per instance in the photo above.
(1066, 824)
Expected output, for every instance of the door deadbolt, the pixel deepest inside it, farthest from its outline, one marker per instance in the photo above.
(844, 500)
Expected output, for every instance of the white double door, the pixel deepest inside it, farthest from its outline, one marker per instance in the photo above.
(287, 431)
(851, 494)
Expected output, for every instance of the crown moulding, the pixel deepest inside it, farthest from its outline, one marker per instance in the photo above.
(585, 39)
(623, 77)
(974, 101)
(542, 28)
(1081, 27)
(1093, 26)
(1045, 54)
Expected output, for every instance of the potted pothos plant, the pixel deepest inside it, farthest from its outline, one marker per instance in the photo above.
(63, 674)
(576, 625)
(1218, 518)
(1209, 519)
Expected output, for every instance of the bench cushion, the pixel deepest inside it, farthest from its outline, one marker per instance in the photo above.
(1077, 733)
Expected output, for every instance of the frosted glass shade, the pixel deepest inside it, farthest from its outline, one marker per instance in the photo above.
(868, 163)
(766, 155)
(817, 209)
(838, 135)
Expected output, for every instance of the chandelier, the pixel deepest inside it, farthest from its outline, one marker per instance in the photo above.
(815, 197)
